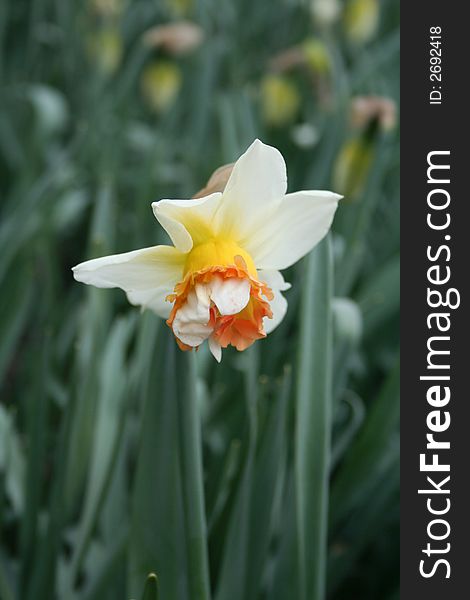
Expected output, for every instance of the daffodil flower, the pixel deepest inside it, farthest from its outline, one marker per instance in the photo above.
(221, 279)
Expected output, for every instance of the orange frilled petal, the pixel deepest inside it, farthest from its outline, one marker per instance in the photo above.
(239, 330)
(246, 327)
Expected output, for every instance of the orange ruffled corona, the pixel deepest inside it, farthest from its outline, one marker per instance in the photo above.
(239, 330)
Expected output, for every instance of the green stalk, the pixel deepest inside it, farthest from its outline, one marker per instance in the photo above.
(192, 477)
(313, 424)
(6, 591)
(151, 588)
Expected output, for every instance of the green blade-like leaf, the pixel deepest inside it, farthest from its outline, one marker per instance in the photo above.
(266, 486)
(151, 588)
(313, 423)
(368, 520)
(157, 536)
(38, 412)
(6, 589)
(192, 478)
(368, 454)
(232, 578)
(108, 427)
(379, 298)
(284, 581)
(181, 419)
(94, 325)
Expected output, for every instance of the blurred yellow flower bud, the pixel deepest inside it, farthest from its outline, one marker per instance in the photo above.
(280, 100)
(161, 82)
(105, 48)
(352, 167)
(176, 38)
(361, 19)
(316, 56)
(365, 109)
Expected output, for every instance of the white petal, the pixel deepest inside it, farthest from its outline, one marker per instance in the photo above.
(190, 324)
(278, 304)
(147, 275)
(187, 221)
(279, 307)
(292, 230)
(258, 181)
(274, 280)
(153, 299)
(230, 295)
(215, 348)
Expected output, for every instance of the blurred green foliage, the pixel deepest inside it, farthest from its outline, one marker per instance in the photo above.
(98, 484)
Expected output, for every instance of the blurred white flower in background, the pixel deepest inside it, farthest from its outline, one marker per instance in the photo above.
(305, 135)
(325, 12)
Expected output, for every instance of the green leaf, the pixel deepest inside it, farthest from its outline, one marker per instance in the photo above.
(157, 536)
(379, 297)
(313, 423)
(93, 331)
(192, 478)
(355, 219)
(284, 581)
(369, 454)
(12, 462)
(108, 427)
(266, 487)
(366, 520)
(38, 407)
(168, 533)
(15, 309)
(226, 483)
(231, 582)
(356, 417)
(6, 589)
(151, 588)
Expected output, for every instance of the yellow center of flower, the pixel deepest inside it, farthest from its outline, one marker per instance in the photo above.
(217, 252)
(210, 266)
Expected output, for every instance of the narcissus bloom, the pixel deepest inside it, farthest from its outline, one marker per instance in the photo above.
(221, 280)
